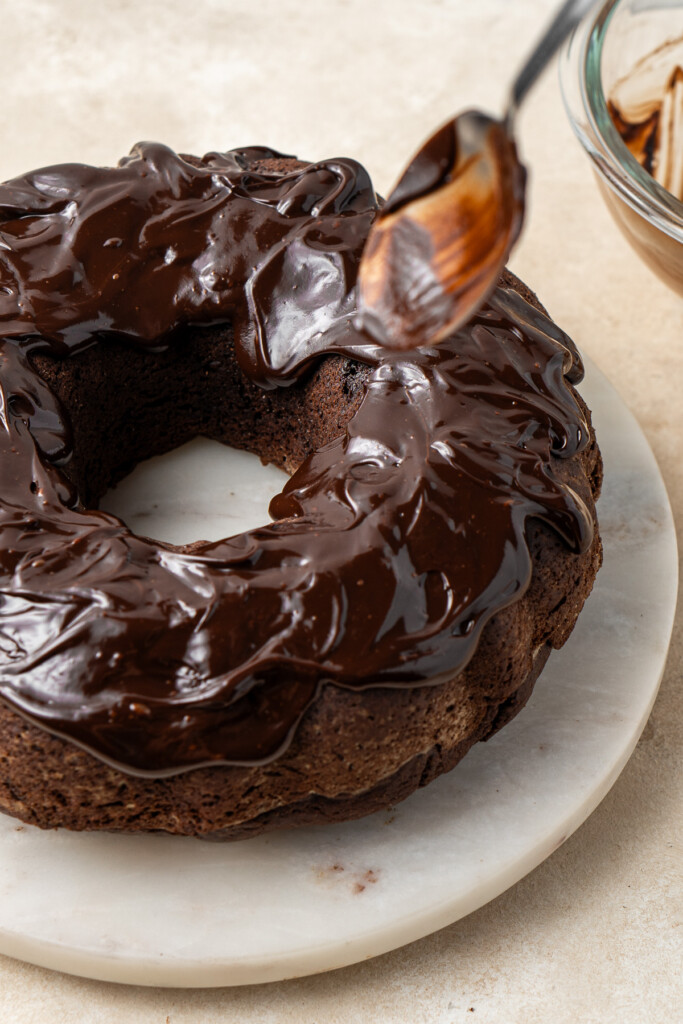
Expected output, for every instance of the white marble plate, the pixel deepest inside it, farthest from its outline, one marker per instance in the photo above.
(169, 911)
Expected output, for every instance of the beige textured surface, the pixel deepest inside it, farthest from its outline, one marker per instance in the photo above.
(595, 933)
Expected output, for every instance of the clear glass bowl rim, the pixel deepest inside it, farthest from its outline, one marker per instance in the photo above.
(586, 105)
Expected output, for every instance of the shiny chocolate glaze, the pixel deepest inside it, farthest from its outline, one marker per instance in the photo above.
(391, 547)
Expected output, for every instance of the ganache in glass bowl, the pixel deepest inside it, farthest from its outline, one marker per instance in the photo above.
(624, 97)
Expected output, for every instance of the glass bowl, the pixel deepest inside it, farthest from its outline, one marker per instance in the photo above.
(624, 47)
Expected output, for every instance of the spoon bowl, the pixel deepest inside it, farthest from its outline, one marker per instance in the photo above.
(441, 241)
(444, 234)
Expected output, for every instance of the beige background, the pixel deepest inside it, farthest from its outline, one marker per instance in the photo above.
(594, 934)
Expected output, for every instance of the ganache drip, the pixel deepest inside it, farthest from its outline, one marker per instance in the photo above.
(391, 547)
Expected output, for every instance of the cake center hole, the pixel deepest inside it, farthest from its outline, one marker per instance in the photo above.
(201, 491)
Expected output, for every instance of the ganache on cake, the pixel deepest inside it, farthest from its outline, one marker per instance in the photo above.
(436, 538)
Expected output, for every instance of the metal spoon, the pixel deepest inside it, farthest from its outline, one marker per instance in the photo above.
(444, 234)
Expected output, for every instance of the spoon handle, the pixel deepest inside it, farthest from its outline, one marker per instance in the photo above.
(568, 16)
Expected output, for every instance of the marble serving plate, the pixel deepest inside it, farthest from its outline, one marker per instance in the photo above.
(161, 910)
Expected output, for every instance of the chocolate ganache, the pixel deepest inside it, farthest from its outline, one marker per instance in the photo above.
(391, 546)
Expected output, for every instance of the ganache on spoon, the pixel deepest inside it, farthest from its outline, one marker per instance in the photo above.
(438, 248)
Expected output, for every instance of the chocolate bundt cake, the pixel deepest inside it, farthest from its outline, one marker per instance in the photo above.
(436, 538)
